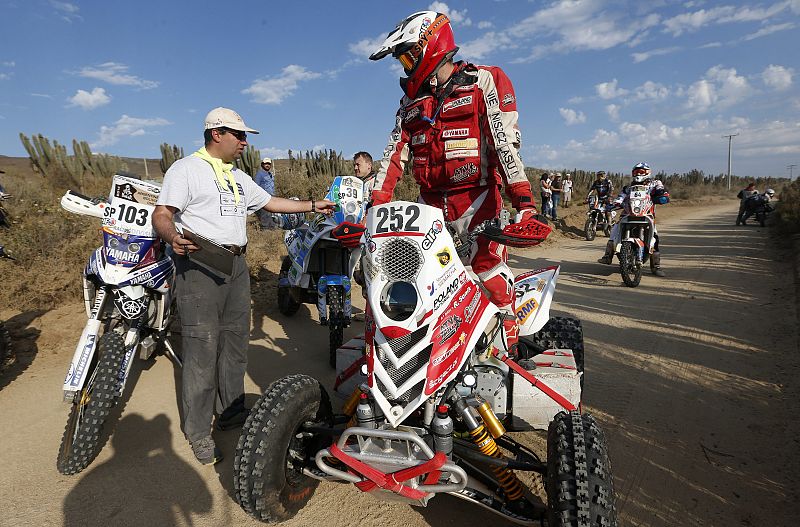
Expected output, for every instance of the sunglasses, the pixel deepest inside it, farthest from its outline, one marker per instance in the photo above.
(238, 134)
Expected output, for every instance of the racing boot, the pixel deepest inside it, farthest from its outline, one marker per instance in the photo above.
(655, 264)
(608, 257)
(512, 334)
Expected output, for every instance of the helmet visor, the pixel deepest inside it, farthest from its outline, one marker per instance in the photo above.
(407, 60)
(640, 172)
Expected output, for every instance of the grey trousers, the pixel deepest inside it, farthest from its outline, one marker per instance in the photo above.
(215, 325)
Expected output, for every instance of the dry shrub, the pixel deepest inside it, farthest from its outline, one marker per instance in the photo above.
(788, 208)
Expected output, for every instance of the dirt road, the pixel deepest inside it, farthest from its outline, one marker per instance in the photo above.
(693, 377)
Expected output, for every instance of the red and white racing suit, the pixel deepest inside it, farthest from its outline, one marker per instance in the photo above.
(463, 144)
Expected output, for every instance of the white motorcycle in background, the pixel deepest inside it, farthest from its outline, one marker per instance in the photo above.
(127, 290)
(322, 256)
(438, 391)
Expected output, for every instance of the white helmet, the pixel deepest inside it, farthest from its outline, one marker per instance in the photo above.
(769, 192)
(640, 173)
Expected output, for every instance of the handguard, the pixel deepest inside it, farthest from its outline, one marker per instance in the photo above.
(349, 234)
(83, 205)
(528, 233)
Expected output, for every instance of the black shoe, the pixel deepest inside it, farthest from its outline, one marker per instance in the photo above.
(323, 321)
(234, 416)
(346, 322)
(206, 451)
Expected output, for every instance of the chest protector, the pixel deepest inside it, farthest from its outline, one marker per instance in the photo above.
(449, 150)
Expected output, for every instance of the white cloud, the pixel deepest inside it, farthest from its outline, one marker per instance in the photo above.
(641, 57)
(768, 30)
(690, 22)
(711, 45)
(274, 90)
(701, 95)
(651, 91)
(43, 95)
(126, 126)
(5, 76)
(613, 112)
(458, 18)
(67, 11)
(115, 73)
(777, 77)
(90, 100)
(609, 90)
(720, 86)
(9, 64)
(571, 116)
(485, 24)
(367, 46)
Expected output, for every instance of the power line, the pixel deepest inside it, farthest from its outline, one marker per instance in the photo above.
(790, 167)
(730, 140)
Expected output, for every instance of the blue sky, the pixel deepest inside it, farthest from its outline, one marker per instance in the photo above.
(600, 83)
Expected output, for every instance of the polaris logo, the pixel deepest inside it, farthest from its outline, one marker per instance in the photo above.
(431, 235)
(463, 101)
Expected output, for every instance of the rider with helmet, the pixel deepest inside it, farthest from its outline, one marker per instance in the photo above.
(640, 176)
(457, 125)
(758, 203)
(603, 188)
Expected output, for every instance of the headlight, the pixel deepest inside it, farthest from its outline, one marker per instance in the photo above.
(399, 300)
(134, 247)
(351, 207)
(113, 242)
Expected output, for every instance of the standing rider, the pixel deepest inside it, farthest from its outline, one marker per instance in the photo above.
(641, 176)
(457, 125)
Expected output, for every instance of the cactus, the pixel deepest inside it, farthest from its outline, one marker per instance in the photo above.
(250, 161)
(169, 154)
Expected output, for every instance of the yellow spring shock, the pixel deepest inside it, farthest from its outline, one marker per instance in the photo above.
(350, 404)
(509, 482)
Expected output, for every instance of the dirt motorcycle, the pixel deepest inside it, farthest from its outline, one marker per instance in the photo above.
(636, 233)
(6, 353)
(440, 390)
(322, 255)
(127, 291)
(597, 218)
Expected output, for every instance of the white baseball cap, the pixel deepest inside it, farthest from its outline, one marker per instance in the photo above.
(266, 160)
(226, 118)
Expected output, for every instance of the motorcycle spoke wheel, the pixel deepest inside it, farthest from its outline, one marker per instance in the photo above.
(629, 269)
(80, 443)
(590, 229)
(287, 305)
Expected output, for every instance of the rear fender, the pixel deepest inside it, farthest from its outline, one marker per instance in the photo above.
(533, 295)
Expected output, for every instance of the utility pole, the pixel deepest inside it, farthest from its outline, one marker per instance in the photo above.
(791, 170)
(730, 139)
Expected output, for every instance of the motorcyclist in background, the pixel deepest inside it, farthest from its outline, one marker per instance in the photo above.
(640, 176)
(757, 203)
(603, 188)
(458, 122)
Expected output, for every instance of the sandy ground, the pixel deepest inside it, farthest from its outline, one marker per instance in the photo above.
(693, 378)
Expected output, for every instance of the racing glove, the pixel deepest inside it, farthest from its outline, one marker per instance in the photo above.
(380, 197)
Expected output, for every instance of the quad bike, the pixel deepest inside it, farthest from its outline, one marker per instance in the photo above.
(127, 290)
(321, 259)
(441, 388)
(597, 218)
(636, 234)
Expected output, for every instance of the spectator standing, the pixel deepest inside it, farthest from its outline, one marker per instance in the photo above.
(743, 195)
(556, 188)
(546, 194)
(362, 167)
(266, 180)
(204, 193)
(567, 192)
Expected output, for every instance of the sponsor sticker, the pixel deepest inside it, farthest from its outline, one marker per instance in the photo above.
(463, 172)
(123, 256)
(413, 113)
(525, 310)
(444, 257)
(431, 235)
(457, 154)
(471, 309)
(455, 132)
(461, 144)
(461, 101)
(445, 295)
(508, 98)
(418, 139)
(448, 328)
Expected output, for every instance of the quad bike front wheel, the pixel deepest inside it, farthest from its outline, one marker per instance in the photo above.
(336, 322)
(629, 268)
(590, 228)
(81, 441)
(287, 305)
(579, 486)
(272, 451)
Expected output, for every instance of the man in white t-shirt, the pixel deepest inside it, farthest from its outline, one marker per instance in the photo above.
(362, 168)
(567, 192)
(204, 193)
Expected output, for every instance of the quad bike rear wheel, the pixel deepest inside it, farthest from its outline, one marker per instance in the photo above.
(629, 268)
(272, 451)
(81, 441)
(287, 305)
(579, 486)
(336, 322)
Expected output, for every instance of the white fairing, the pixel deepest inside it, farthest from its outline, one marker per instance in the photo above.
(413, 357)
(534, 294)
